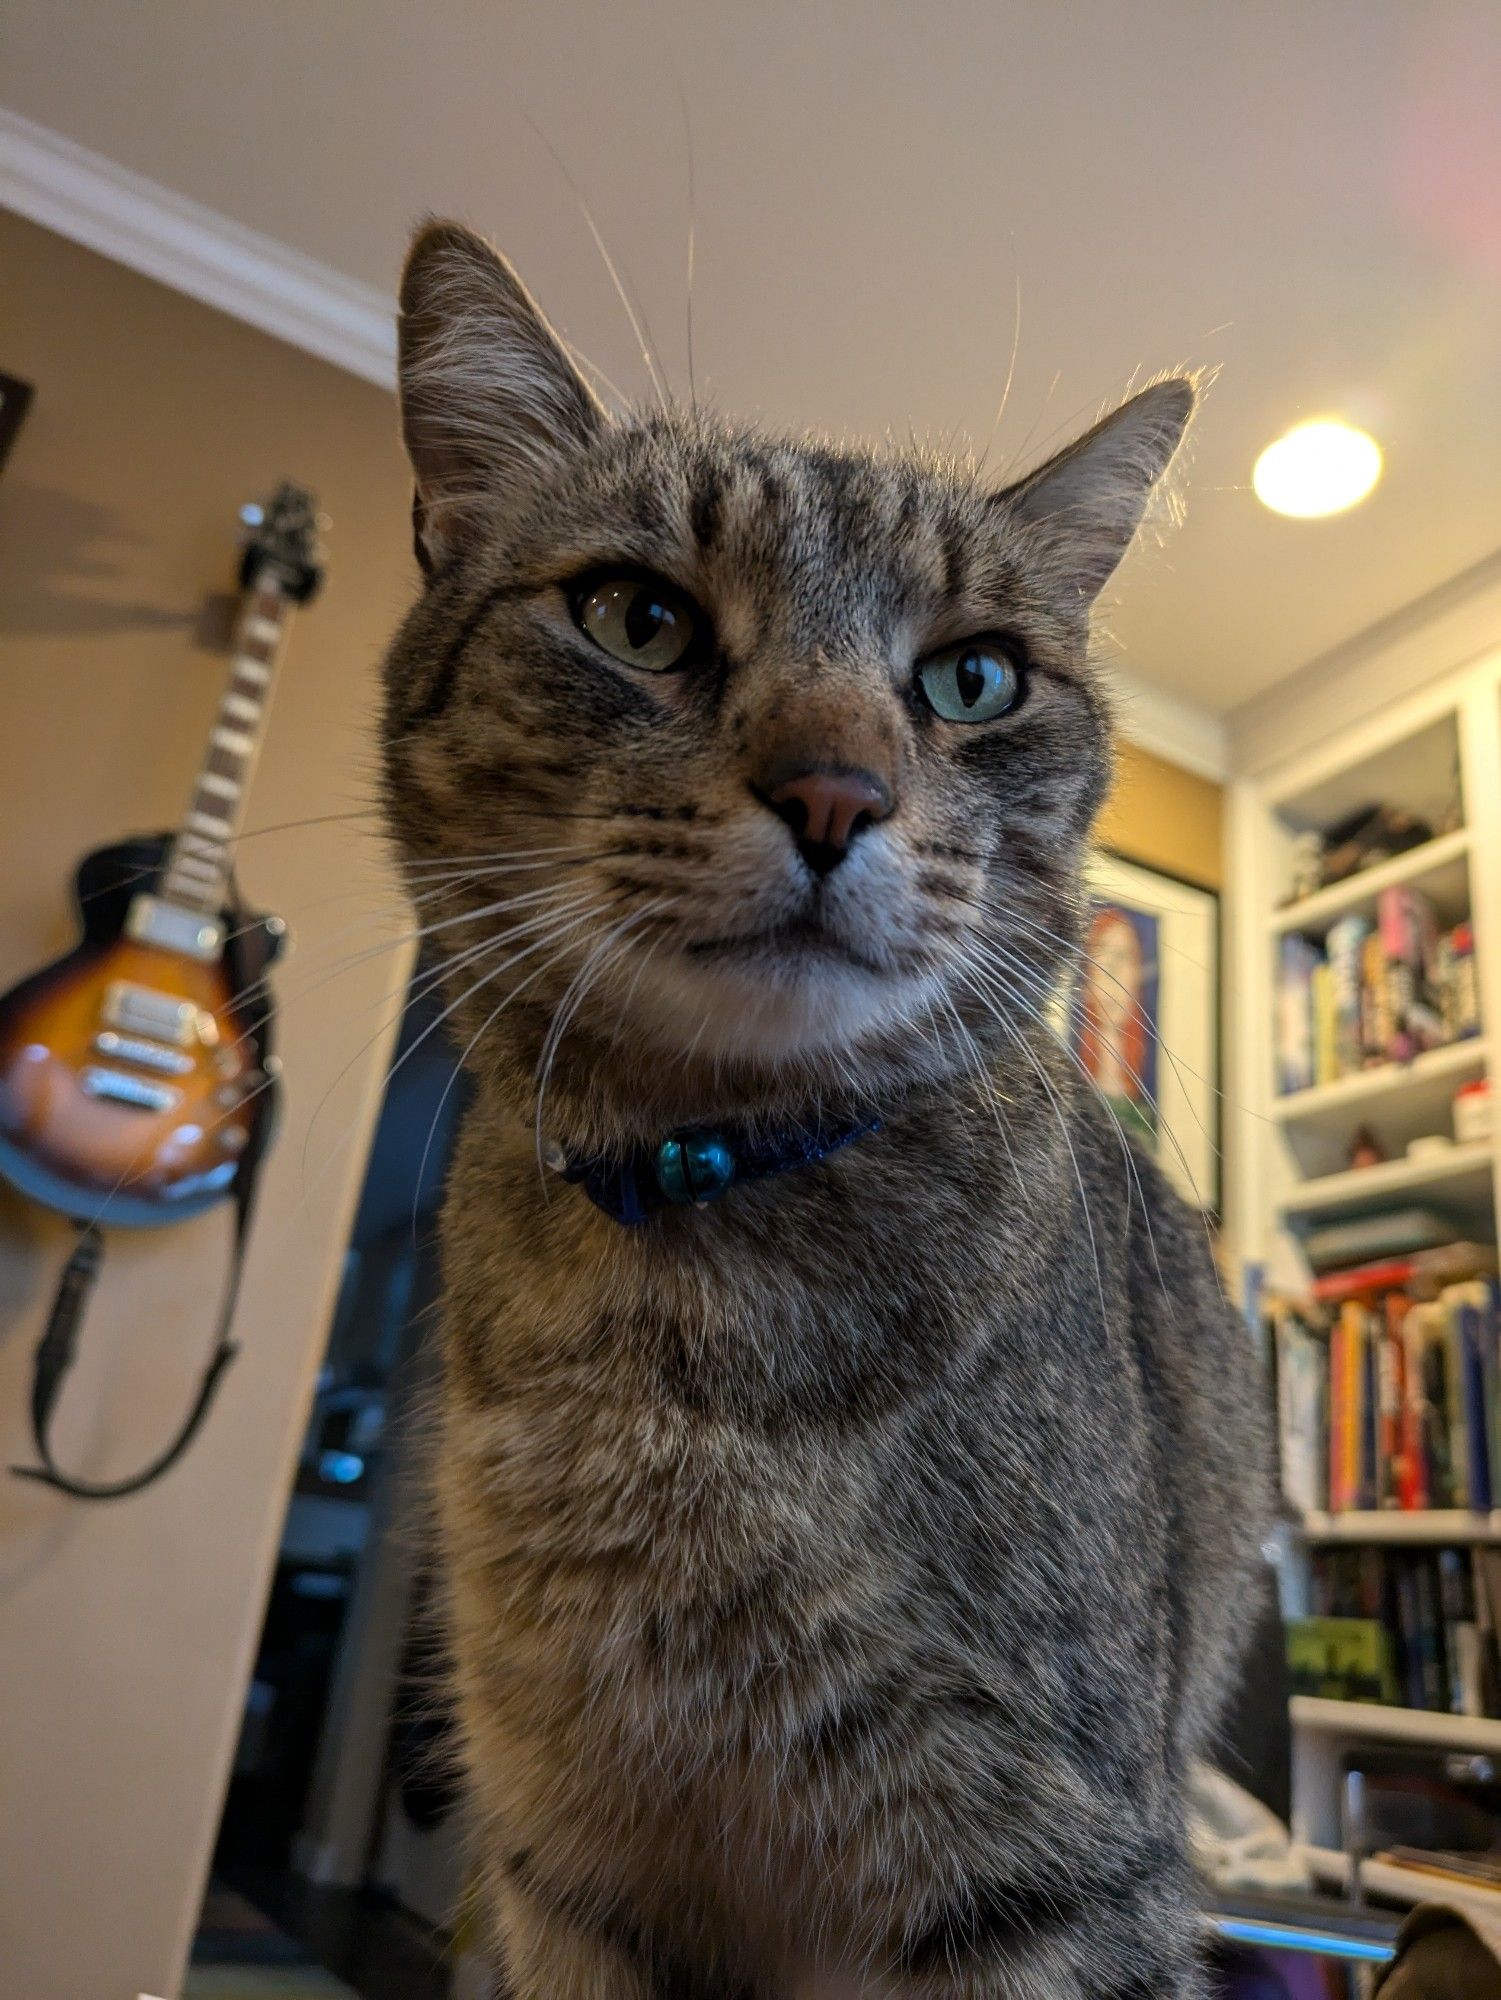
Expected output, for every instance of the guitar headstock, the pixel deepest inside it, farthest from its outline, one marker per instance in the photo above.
(282, 535)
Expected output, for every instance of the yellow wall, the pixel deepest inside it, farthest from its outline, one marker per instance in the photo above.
(126, 1631)
(1165, 817)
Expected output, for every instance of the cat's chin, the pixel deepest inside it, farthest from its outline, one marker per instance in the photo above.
(765, 1011)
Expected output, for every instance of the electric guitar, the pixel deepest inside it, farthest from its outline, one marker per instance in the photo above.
(136, 1079)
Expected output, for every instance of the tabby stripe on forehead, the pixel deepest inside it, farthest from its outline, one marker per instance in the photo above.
(706, 511)
(445, 675)
(955, 564)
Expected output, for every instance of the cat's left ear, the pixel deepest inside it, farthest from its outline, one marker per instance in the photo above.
(1088, 501)
(491, 402)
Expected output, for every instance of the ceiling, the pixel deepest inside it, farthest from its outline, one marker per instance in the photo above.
(1307, 198)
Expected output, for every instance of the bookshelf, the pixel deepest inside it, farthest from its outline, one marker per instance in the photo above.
(1433, 1527)
(1439, 868)
(1414, 1090)
(1403, 1885)
(1460, 1176)
(1373, 1722)
(1427, 738)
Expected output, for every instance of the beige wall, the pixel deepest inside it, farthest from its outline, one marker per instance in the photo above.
(126, 1631)
(1165, 817)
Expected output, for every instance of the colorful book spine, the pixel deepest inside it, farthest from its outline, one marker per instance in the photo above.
(1477, 1444)
(1375, 1014)
(1325, 1040)
(1392, 1477)
(1409, 935)
(1302, 1390)
(1345, 946)
(1336, 1479)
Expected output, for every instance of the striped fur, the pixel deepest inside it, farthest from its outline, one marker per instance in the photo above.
(840, 1577)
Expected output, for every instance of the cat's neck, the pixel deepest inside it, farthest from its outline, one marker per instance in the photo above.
(1017, 1094)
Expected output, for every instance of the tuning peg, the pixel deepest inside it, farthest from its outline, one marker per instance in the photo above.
(252, 514)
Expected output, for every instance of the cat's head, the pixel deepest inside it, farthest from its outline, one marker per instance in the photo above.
(737, 768)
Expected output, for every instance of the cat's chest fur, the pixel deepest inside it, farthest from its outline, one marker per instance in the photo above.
(704, 1468)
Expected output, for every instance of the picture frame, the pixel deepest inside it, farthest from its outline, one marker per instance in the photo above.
(1144, 1020)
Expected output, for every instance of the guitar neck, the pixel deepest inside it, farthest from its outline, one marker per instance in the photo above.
(196, 874)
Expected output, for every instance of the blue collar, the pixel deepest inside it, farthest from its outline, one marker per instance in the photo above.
(690, 1168)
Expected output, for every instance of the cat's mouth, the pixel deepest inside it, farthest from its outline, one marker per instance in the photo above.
(804, 937)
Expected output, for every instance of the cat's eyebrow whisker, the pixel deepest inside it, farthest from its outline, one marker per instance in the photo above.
(639, 326)
(1016, 342)
(692, 232)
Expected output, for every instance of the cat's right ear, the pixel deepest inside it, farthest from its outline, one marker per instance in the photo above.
(490, 400)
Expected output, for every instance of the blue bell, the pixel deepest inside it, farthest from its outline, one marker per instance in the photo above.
(693, 1167)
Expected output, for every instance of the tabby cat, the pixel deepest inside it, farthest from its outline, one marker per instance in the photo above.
(844, 1569)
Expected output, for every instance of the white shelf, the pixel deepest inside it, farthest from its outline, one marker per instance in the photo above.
(1373, 1722)
(1402, 1885)
(1434, 1526)
(1434, 1074)
(1463, 1173)
(1440, 868)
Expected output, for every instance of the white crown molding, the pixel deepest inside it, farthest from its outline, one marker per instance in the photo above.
(1178, 731)
(193, 249)
(1447, 628)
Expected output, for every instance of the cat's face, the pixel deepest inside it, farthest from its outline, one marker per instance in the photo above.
(775, 762)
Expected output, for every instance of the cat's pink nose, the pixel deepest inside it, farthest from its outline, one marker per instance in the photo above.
(825, 807)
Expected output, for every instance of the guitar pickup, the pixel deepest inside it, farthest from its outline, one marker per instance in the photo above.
(142, 1012)
(147, 1055)
(120, 1087)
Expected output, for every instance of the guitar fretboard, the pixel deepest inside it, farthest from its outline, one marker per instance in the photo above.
(196, 874)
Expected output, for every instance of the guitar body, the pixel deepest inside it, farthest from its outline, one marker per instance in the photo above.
(136, 1081)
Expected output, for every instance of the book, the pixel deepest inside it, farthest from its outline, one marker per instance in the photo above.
(1302, 1364)
(1345, 949)
(1394, 1484)
(1326, 1067)
(1461, 1634)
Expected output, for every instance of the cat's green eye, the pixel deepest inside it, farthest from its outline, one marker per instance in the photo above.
(639, 620)
(975, 681)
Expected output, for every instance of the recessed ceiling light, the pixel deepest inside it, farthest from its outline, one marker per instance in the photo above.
(1320, 467)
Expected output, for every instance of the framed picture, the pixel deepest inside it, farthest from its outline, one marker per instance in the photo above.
(1145, 1019)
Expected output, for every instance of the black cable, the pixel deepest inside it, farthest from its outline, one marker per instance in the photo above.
(59, 1344)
